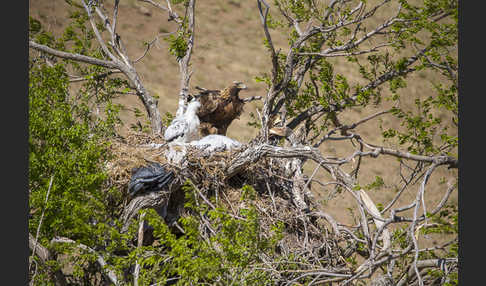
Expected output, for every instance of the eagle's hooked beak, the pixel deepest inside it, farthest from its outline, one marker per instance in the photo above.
(240, 85)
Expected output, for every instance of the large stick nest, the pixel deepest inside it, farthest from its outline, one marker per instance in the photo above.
(309, 234)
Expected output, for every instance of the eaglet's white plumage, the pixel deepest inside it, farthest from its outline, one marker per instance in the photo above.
(186, 127)
(216, 142)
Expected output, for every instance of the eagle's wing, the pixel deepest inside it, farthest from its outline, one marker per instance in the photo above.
(209, 103)
(176, 129)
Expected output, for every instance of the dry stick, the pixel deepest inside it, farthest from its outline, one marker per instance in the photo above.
(167, 280)
(98, 34)
(40, 221)
(440, 247)
(252, 98)
(80, 78)
(101, 260)
(294, 167)
(45, 255)
(147, 200)
(268, 102)
(392, 217)
(115, 16)
(35, 273)
(420, 194)
(253, 154)
(125, 66)
(271, 196)
(115, 40)
(362, 268)
(136, 271)
(172, 14)
(331, 54)
(360, 202)
(74, 57)
(146, 49)
(184, 61)
(358, 19)
(229, 203)
(315, 279)
(425, 264)
(355, 171)
(445, 198)
(352, 234)
(320, 273)
(312, 176)
(208, 202)
(372, 207)
(329, 219)
(352, 126)
(306, 234)
(364, 222)
(375, 240)
(263, 17)
(281, 105)
(363, 206)
(202, 196)
(405, 185)
(377, 150)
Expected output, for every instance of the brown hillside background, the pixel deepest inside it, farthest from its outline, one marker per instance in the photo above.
(228, 47)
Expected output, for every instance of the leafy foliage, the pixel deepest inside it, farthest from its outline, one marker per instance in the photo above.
(67, 144)
(177, 45)
(194, 258)
(64, 147)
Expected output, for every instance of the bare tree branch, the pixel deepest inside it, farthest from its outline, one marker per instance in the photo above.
(123, 65)
(136, 271)
(354, 53)
(440, 159)
(74, 57)
(45, 255)
(345, 128)
(101, 260)
(268, 102)
(251, 98)
(184, 61)
(172, 14)
(372, 85)
(42, 217)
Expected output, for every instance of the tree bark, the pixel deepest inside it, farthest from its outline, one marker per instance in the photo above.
(45, 255)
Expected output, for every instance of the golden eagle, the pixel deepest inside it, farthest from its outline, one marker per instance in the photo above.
(219, 108)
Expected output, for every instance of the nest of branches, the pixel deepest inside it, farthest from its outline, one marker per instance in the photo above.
(269, 180)
(129, 153)
(311, 237)
(270, 193)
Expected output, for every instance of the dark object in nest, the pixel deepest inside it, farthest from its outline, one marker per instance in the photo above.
(149, 178)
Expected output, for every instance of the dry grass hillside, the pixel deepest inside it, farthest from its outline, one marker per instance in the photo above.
(228, 47)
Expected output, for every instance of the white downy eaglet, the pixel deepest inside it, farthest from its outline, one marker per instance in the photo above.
(186, 127)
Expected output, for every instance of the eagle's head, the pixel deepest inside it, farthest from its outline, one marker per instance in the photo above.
(233, 90)
(239, 85)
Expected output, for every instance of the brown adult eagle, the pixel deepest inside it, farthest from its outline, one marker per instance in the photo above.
(219, 108)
